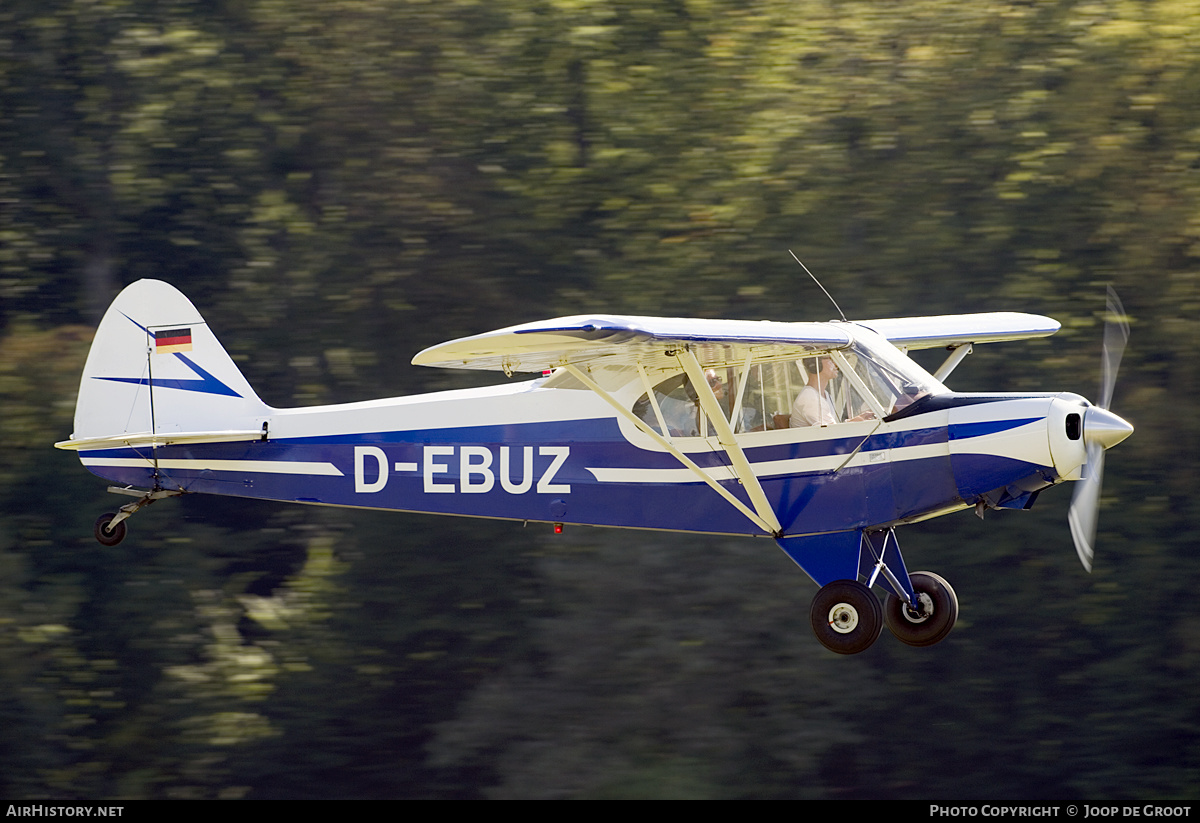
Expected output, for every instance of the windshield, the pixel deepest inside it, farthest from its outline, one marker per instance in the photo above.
(892, 379)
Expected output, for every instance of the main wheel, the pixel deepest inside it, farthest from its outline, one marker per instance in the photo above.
(106, 536)
(932, 621)
(846, 617)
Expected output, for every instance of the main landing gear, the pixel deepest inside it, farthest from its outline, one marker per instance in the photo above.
(847, 616)
(920, 608)
(110, 527)
(931, 620)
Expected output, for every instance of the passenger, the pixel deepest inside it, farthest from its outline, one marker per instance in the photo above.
(677, 402)
(716, 384)
(681, 415)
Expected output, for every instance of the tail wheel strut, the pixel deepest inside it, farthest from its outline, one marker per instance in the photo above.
(110, 527)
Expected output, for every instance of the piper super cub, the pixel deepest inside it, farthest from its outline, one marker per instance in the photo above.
(823, 437)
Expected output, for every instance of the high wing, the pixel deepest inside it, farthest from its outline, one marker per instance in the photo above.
(955, 330)
(626, 340)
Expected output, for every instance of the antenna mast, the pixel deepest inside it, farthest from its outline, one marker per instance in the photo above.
(818, 282)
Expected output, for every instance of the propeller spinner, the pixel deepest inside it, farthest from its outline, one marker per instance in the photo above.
(1101, 431)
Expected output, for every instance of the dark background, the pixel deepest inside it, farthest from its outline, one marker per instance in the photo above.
(339, 184)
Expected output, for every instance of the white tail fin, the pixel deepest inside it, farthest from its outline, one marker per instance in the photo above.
(156, 370)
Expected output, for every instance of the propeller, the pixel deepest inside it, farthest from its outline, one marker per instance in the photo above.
(1101, 431)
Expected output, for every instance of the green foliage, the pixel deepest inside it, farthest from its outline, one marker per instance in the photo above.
(338, 185)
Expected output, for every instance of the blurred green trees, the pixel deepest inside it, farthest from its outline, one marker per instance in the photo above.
(339, 184)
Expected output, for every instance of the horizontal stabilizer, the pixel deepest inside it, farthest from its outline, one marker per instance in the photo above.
(152, 439)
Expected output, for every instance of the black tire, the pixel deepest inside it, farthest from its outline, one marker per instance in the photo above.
(940, 607)
(102, 532)
(846, 617)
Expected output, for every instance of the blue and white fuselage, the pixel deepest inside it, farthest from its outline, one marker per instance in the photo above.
(643, 423)
(424, 454)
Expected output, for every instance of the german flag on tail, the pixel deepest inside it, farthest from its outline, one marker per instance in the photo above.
(172, 340)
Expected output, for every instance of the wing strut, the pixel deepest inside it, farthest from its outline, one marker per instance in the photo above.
(765, 525)
(741, 466)
(957, 354)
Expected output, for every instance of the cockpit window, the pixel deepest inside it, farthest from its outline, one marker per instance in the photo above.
(869, 380)
(767, 400)
(679, 406)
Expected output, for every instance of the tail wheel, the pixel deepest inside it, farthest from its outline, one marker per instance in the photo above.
(933, 619)
(846, 617)
(105, 535)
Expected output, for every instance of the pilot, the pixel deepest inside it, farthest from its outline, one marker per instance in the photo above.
(814, 406)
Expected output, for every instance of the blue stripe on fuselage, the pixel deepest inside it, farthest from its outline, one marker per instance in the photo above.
(806, 502)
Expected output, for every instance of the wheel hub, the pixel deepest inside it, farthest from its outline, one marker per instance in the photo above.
(843, 618)
(923, 612)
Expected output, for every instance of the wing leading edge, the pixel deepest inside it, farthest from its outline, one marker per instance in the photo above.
(626, 340)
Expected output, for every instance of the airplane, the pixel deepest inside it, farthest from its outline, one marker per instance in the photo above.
(684, 425)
